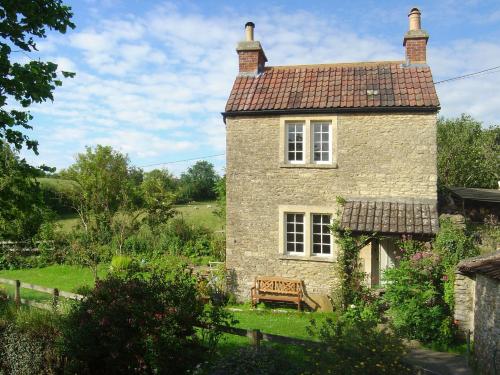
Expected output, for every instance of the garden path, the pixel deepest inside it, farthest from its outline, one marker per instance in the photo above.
(438, 362)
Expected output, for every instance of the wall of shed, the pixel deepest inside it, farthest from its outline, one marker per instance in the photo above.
(386, 156)
(477, 308)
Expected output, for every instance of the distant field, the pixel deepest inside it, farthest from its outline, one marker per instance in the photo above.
(58, 184)
(200, 213)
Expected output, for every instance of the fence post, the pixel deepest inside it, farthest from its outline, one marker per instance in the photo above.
(467, 358)
(55, 299)
(17, 293)
(255, 337)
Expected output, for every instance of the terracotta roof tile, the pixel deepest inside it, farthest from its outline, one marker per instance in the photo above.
(334, 86)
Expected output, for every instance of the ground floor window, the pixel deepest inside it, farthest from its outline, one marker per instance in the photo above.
(305, 231)
(321, 238)
(294, 233)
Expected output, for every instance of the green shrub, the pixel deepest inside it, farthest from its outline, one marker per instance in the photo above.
(415, 295)
(136, 325)
(28, 344)
(354, 345)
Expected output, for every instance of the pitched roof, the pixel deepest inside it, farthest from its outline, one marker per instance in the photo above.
(390, 217)
(356, 86)
(488, 265)
(486, 195)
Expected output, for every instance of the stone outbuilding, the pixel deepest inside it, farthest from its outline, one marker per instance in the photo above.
(477, 308)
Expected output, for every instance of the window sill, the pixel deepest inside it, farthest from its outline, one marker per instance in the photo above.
(309, 166)
(307, 259)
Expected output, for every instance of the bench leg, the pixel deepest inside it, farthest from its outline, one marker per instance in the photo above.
(298, 306)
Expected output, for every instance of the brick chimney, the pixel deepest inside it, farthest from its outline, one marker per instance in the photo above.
(251, 56)
(415, 40)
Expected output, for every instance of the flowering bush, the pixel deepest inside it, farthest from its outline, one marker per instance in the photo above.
(136, 326)
(415, 295)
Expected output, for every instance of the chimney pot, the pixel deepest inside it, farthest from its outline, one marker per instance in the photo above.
(414, 18)
(251, 56)
(415, 40)
(249, 27)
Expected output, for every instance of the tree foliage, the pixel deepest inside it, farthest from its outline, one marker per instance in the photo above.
(198, 182)
(468, 153)
(21, 23)
(22, 210)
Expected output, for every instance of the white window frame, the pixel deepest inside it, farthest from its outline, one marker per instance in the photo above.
(307, 211)
(308, 141)
(304, 231)
(304, 141)
(330, 141)
(330, 243)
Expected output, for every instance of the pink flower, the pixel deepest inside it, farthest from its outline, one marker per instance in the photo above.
(445, 278)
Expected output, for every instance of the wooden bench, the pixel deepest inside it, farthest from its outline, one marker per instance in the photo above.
(277, 289)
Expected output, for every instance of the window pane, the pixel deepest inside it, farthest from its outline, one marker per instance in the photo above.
(289, 236)
(291, 156)
(291, 147)
(299, 247)
(299, 146)
(298, 156)
(299, 218)
(298, 137)
(299, 228)
(317, 156)
(299, 237)
(316, 219)
(289, 228)
(326, 238)
(326, 249)
(316, 249)
(316, 238)
(289, 247)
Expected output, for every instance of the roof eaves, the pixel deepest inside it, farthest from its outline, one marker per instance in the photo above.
(294, 111)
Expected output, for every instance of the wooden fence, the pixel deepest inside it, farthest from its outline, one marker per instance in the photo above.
(54, 292)
(255, 336)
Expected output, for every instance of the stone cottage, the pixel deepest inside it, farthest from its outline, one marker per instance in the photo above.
(300, 136)
(477, 308)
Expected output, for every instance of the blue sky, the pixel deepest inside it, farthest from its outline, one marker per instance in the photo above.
(153, 76)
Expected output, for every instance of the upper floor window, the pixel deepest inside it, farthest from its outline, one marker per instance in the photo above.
(308, 142)
(321, 142)
(295, 142)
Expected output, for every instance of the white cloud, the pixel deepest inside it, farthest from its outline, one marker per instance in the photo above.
(154, 85)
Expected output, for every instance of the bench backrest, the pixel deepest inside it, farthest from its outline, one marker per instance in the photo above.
(278, 285)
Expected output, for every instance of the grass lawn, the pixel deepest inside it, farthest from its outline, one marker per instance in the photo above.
(200, 213)
(64, 277)
(279, 321)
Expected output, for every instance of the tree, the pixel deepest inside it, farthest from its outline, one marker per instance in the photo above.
(110, 203)
(21, 22)
(468, 154)
(22, 210)
(104, 200)
(158, 192)
(198, 183)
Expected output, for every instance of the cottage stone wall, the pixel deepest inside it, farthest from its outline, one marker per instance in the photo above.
(464, 289)
(386, 156)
